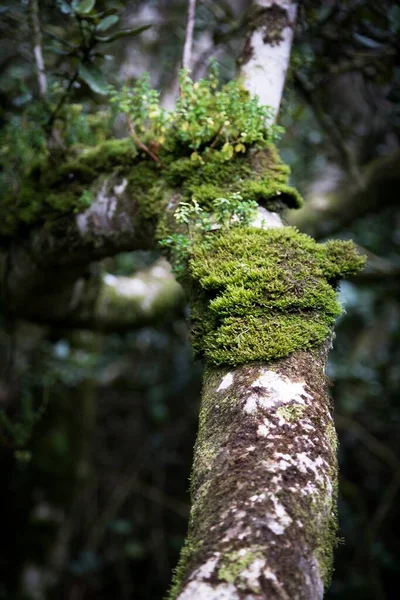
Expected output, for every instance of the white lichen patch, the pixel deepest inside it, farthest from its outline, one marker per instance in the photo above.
(318, 466)
(275, 390)
(265, 219)
(257, 497)
(226, 382)
(206, 570)
(129, 287)
(99, 212)
(199, 590)
(251, 575)
(278, 519)
(103, 210)
(119, 188)
(263, 430)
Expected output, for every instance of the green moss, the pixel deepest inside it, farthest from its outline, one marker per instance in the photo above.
(188, 551)
(234, 563)
(259, 176)
(291, 412)
(148, 188)
(111, 153)
(266, 190)
(51, 190)
(332, 437)
(258, 295)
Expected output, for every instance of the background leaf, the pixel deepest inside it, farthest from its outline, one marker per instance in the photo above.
(84, 7)
(93, 77)
(107, 22)
(121, 34)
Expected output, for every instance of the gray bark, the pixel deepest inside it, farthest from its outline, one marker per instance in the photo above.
(263, 484)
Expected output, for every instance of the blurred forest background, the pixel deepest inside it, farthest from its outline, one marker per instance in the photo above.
(97, 429)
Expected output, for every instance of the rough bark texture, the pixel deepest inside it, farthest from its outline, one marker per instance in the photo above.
(263, 484)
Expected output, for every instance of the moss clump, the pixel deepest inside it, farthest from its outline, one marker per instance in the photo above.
(258, 175)
(258, 295)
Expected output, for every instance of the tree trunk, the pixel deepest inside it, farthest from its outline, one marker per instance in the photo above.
(264, 483)
(264, 476)
(267, 51)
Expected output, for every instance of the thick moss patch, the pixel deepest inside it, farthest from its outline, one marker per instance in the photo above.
(258, 295)
(52, 190)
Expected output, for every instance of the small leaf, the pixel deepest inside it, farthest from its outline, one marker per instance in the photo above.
(121, 34)
(83, 7)
(93, 77)
(107, 22)
(227, 151)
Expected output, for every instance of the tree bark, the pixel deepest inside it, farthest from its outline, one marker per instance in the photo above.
(263, 484)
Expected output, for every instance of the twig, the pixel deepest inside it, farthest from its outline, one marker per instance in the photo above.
(141, 145)
(328, 125)
(61, 102)
(187, 48)
(385, 506)
(37, 47)
(374, 445)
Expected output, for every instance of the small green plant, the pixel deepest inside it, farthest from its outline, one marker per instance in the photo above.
(226, 212)
(210, 125)
(209, 122)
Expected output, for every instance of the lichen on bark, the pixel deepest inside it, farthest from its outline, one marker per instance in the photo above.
(263, 503)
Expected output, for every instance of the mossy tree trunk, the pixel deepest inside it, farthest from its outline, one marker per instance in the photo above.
(263, 307)
(264, 476)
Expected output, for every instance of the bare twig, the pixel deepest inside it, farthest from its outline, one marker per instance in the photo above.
(37, 47)
(141, 145)
(187, 49)
(374, 445)
(330, 128)
(61, 102)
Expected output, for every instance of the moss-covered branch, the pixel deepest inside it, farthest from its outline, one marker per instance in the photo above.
(262, 309)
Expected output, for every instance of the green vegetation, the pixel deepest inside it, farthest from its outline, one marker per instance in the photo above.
(258, 295)
(216, 148)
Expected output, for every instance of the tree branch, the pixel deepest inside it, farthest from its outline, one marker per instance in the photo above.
(106, 302)
(37, 47)
(324, 216)
(52, 258)
(187, 48)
